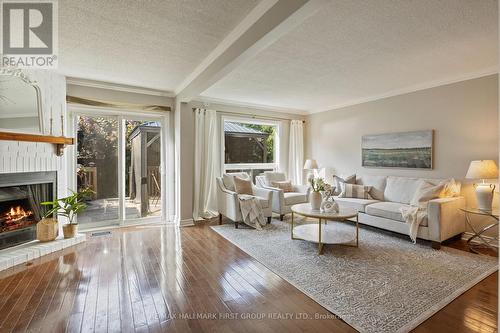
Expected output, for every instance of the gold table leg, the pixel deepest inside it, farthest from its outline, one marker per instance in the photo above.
(357, 230)
(320, 245)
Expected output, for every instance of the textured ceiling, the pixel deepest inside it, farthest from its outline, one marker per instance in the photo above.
(152, 44)
(353, 50)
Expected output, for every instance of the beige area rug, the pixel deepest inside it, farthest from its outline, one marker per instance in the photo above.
(388, 284)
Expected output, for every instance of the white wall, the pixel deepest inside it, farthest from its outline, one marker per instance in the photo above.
(16, 156)
(184, 138)
(463, 115)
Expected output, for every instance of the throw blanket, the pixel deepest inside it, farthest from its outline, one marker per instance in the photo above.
(414, 216)
(251, 211)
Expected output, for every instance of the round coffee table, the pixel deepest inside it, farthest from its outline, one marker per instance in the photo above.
(322, 232)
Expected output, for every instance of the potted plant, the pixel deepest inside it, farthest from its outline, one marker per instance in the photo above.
(69, 207)
(318, 185)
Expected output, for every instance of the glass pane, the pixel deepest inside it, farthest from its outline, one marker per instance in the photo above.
(97, 167)
(142, 169)
(248, 143)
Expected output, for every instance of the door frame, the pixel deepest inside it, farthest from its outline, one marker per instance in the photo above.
(122, 114)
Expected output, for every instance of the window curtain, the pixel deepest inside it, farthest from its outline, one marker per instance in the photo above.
(206, 167)
(296, 151)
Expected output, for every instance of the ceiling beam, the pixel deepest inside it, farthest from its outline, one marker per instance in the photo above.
(265, 24)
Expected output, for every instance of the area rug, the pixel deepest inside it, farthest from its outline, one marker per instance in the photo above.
(387, 284)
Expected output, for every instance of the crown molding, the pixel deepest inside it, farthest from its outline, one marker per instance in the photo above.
(206, 101)
(118, 87)
(415, 88)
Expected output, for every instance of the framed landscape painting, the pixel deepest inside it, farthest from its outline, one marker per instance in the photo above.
(398, 150)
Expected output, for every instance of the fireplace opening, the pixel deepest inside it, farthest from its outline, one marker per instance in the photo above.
(16, 214)
(21, 195)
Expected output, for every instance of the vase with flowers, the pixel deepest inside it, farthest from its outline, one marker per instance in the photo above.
(318, 185)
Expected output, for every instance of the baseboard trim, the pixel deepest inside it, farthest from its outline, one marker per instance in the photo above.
(186, 223)
(466, 235)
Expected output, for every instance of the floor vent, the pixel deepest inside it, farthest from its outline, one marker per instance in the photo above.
(100, 233)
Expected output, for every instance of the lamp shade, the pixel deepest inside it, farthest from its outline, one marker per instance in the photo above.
(311, 165)
(483, 169)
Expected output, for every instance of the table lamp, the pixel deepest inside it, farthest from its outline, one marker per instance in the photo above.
(483, 169)
(310, 165)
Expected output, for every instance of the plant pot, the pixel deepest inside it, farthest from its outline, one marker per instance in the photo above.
(47, 230)
(70, 230)
(315, 200)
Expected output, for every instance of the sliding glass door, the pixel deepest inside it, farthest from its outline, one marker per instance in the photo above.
(97, 167)
(120, 157)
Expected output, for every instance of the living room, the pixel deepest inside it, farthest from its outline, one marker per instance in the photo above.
(248, 166)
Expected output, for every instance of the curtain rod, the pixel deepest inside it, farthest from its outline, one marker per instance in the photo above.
(253, 116)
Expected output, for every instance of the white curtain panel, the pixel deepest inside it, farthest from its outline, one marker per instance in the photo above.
(296, 151)
(206, 167)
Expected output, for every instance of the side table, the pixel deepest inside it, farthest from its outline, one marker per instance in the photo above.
(478, 234)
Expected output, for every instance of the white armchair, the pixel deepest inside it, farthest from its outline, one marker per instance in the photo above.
(282, 202)
(229, 205)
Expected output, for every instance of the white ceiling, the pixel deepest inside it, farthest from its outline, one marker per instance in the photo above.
(152, 44)
(355, 50)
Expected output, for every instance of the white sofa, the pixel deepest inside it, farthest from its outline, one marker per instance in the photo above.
(444, 219)
(229, 205)
(283, 202)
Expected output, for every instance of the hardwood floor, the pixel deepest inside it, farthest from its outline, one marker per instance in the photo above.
(154, 279)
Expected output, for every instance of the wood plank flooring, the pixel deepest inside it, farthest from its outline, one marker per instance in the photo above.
(162, 279)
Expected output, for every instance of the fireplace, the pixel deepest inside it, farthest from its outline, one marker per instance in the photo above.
(20, 209)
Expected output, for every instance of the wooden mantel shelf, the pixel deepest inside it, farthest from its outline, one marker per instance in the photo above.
(59, 141)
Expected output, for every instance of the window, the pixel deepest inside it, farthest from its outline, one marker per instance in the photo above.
(251, 146)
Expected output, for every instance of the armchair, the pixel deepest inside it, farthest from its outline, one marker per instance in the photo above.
(228, 203)
(283, 201)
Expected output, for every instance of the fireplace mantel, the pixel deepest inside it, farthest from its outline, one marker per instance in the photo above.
(59, 141)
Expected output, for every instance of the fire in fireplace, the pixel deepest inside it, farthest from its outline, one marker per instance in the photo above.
(20, 208)
(15, 217)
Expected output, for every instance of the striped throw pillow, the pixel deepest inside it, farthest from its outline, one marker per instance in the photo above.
(285, 186)
(355, 191)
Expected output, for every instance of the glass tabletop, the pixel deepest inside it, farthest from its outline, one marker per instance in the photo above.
(472, 210)
(305, 209)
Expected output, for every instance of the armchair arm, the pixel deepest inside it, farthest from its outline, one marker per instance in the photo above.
(227, 202)
(263, 193)
(445, 219)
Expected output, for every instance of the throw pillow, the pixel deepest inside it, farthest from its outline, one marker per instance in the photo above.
(242, 186)
(451, 189)
(337, 181)
(286, 186)
(228, 179)
(355, 191)
(426, 191)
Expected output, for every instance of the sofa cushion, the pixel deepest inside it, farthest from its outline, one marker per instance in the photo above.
(389, 210)
(376, 182)
(358, 204)
(401, 189)
(293, 198)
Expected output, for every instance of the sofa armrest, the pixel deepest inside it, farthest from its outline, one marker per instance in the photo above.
(445, 219)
